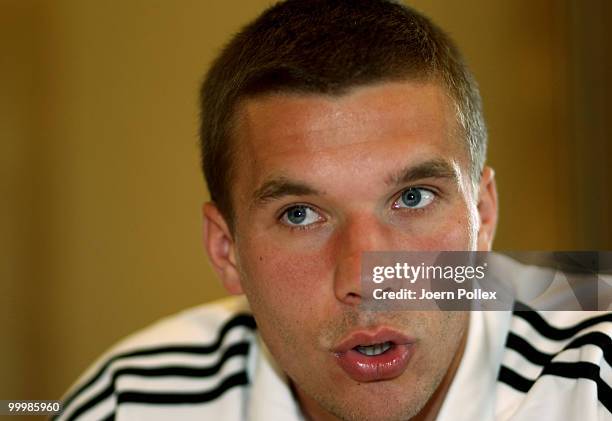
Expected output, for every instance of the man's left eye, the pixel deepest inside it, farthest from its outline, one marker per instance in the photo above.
(300, 216)
(414, 198)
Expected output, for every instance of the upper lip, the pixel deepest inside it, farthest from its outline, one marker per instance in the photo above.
(372, 337)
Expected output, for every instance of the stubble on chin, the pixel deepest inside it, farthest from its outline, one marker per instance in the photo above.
(433, 371)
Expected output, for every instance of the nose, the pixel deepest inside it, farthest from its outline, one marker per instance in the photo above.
(357, 235)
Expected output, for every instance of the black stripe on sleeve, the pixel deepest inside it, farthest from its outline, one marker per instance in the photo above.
(594, 338)
(554, 333)
(240, 320)
(577, 370)
(240, 348)
(238, 379)
(514, 380)
(582, 370)
(524, 348)
(111, 417)
(103, 395)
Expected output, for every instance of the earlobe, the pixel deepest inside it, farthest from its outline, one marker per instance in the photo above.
(219, 245)
(487, 209)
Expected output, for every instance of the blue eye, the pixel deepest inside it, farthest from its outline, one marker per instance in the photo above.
(414, 198)
(300, 215)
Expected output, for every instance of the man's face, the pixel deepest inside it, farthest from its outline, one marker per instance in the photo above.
(318, 181)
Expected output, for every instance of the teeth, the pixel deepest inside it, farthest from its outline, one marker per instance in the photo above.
(376, 349)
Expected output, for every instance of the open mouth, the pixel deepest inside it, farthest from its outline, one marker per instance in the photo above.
(367, 356)
(373, 350)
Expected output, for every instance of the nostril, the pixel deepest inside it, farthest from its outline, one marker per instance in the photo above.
(352, 298)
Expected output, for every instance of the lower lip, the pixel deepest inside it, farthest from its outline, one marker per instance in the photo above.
(385, 366)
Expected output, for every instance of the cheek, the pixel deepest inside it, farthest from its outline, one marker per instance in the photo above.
(454, 232)
(457, 230)
(285, 274)
(286, 290)
(441, 336)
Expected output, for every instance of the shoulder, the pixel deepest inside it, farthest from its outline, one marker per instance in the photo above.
(557, 365)
(188, 365)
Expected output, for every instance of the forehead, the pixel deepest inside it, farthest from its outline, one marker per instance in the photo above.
(369, 128)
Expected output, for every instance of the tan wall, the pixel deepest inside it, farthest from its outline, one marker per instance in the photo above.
(100, 219)
(17, 74)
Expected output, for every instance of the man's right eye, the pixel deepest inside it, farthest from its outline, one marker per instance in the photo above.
(300, 216)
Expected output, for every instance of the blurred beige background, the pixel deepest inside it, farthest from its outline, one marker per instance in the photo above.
(101, 188)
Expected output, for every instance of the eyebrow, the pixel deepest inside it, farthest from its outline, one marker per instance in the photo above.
(279, 187)
(435, 168)
(276, 188)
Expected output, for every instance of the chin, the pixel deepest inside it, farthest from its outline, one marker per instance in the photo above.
(397, 399)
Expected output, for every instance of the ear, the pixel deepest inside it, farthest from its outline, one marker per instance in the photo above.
(219, 245)
(487, 209)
